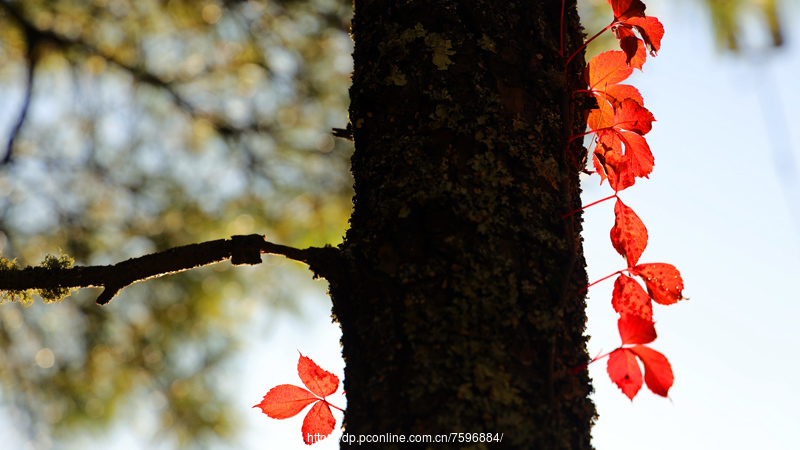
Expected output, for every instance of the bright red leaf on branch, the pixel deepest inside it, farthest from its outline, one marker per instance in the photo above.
(663, 281)
(625, 9)
(629, 298)
(657, 370)
(629, 235)
(286, 400)
(612, 165)
(623, 369)
(630, 19)
(651, 31)
(621, 155)
(604, 72)
(635, 330)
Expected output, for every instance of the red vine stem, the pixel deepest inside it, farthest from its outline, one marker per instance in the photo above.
(332, 405)
(561, 33)
(590, 204)
(587, 42)
(602, 279)
(575, 370)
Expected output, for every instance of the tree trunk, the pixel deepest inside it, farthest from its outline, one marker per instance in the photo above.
(460, 302)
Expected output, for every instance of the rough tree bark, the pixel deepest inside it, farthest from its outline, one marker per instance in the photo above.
(459, 291)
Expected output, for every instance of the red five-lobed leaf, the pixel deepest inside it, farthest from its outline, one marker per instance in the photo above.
(663, 281)
(624, 371)
(286, 400)
(629, 235)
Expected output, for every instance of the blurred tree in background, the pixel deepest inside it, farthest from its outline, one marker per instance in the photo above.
(134, 126)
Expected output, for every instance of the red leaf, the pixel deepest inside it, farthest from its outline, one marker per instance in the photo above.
(630, 44)
(601, 118)
(651, 31)
(629, 298)
(286, 400)
(624, 9)
(606, 69)
(619, 92)
(613, 166)
(625, 372)
(629, 16)
(635, 330)
(629, 235)
(631, 148)
(626, 114)
(631, 116)
(657, 370)
(318, 424)
(637, 153)
(663, 281)
(319, 381)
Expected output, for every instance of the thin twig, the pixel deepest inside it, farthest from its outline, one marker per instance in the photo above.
(239, 249)
(32, 38)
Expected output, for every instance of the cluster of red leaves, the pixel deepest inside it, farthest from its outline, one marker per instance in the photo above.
(621, 155)
(621, 120)
(622, 365)
(287, 400)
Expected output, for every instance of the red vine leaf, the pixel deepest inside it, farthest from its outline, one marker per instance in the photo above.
(651, 31)
(625, 9)
(622, 166)
(663, 281)
(631, 45)
(657, 370)
(319, 381)
(635, 330)
(606, 69)
(318, 424)
(286, 400)
(629, 298)
(624, 371)
(629, 235)
(613, 166)
(629, 115)
(619, 92)
(630, 16)
(603, 73)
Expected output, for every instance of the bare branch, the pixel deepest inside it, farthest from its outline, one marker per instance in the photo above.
(239, 249)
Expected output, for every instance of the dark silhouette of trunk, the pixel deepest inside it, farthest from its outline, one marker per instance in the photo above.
(459, 295)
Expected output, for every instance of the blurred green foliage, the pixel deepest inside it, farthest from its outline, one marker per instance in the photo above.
(153, 124)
